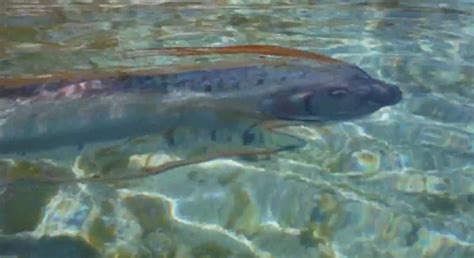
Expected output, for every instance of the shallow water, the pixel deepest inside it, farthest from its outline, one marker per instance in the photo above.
(398, 183)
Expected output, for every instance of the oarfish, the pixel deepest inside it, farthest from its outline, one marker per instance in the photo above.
(47, 112)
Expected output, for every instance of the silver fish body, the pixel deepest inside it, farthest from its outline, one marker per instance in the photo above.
(47, 116)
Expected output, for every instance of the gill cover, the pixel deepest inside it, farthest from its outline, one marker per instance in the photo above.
(290, 105)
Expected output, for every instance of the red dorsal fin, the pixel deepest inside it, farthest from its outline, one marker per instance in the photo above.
(244, 49)
(269, 50)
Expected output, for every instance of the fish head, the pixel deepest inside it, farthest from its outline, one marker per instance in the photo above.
(347, 93)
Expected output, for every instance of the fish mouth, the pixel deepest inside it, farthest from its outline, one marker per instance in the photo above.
(396, 93)
(389, 95)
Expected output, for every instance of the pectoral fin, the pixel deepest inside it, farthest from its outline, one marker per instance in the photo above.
(112, 164)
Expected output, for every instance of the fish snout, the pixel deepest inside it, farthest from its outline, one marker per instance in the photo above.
(386, 94)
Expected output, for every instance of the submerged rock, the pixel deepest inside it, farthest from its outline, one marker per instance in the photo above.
(25, 197)
(57, 246)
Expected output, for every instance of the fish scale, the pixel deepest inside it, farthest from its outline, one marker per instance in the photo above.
(234, 79)
(206, 81)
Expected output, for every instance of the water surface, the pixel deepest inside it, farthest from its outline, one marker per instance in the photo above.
(396, 184)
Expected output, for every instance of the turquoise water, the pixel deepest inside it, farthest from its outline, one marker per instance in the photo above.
(399, 183)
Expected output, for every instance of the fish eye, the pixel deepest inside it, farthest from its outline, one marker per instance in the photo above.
(338, 93)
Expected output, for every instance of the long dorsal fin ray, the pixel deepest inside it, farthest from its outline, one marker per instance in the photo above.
(270, 50)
